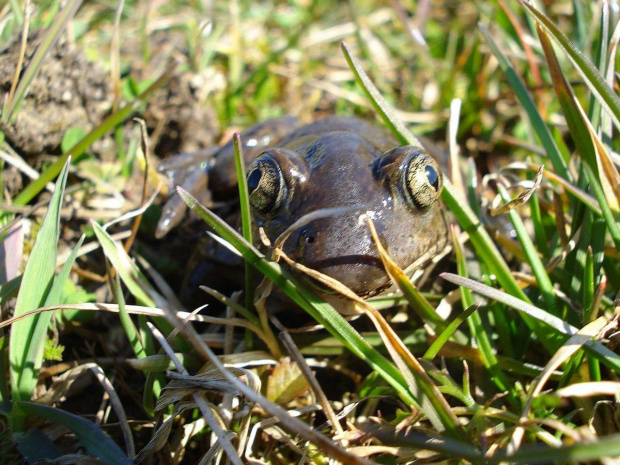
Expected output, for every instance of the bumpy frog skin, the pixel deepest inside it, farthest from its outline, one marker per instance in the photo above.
(337, 162)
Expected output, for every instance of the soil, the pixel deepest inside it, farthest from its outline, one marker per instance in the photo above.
(68, 91)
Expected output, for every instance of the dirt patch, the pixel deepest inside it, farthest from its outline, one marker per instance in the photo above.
(68, 91)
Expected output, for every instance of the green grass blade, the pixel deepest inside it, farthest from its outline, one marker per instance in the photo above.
(542, 278)
(539, 126)
(490, 255)
(484, 344)
(127, 323)
(603, 447)
(246, 221)
(35, 286)
(18, 11)
(55, 294)
(94, 440)
(378, 102)
(592, 77)
(129, 272)
(447, 333)
(588, 283)
(48, 42)
(34, 350)
(144, 294)
(581, 134)
(540, 237)
(600, 57)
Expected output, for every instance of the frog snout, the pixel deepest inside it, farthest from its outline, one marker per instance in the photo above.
(342, 251)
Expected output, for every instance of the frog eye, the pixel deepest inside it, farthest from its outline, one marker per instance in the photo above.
(266, 184)
(416, 175)
(420, 179)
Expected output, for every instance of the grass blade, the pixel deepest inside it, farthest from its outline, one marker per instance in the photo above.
(562, 329)
(539, 126)
(544, 282)
(128, 326)
(415, 298)
(606, 446)
(129, 272)
(483, 343)
(28, 335)
(592, 77)
(17, 10)
(584, 137)
(55, 294)
(378, 102)
(246, 222)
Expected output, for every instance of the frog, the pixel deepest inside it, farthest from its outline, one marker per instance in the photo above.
(343, 167)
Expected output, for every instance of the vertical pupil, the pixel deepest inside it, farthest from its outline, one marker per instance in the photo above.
(254, 180)
(432, 177)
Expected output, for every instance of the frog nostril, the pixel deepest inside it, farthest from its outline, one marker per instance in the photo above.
(310, 239)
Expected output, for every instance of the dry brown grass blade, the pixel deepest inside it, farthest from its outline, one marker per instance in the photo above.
(144, 203)
(455, 174)
(113, 308)
(22, 53)
(522, 197)
(270, 427)
(160, 437)
(610, 178)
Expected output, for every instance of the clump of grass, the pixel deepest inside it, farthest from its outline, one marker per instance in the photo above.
(523, 370)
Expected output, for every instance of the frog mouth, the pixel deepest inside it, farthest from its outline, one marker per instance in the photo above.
(325, 276)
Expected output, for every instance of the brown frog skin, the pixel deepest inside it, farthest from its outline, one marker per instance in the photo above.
(336, 162)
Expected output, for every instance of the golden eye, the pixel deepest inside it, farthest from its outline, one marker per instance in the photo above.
(266, 185)
(420, 180)
(412, 172)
